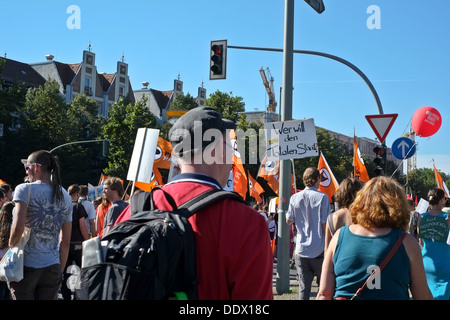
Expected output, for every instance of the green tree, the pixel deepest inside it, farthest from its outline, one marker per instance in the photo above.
(183, 102)
(229, 106)
(82, 163)
(420, 181)
(121, 128)
(12, 143)
(45, 115)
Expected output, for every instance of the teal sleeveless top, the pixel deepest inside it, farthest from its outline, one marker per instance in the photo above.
(356, 256)
(436, 253)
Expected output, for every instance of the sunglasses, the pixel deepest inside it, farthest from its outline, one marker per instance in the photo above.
(28, 165)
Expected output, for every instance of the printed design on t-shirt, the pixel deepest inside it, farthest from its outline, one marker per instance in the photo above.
(45, 218)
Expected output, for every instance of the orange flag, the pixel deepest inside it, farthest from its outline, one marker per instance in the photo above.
(163, 156)
(240, 184)
(328, 183)
(255, 189)
(439, 181)
(239, 178)
(360, 171)
(103, 177)
(156, 180)
(269, 171)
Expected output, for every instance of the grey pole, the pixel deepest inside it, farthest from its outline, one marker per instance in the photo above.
(282, 278)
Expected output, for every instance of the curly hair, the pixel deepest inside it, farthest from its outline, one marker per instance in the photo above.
(346, 193)
(381, 203)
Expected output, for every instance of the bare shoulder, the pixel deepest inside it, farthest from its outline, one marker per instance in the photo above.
(412, 247)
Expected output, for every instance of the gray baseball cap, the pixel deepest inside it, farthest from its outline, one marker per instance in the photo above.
(195, 123)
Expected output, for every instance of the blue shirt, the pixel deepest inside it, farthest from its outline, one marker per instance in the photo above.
(309, 209)
(354, 258)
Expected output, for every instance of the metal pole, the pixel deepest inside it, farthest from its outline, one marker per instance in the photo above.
(330, 56)
(76, 142)
(282, 278)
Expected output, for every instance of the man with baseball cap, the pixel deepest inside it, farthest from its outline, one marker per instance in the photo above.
(234, 260)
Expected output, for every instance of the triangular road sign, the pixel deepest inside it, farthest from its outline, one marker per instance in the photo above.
(381, 124)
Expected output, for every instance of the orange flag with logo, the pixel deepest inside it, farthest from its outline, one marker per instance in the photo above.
(163, 156)
(439, 181)
(255, 189)
(328, 183)
(156, 180)
(360, 171)
(269, 171)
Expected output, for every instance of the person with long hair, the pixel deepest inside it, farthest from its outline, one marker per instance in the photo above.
(380, 218)
(5, 230)
(45, 207)
(434, 228)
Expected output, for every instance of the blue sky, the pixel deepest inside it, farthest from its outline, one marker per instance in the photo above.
(407, 59)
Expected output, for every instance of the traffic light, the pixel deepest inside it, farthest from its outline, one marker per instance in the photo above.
(218, 61)
(380, 160)
(316, 5)
(105, 147)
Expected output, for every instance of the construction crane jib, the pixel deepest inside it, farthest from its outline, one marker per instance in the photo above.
(269, 88)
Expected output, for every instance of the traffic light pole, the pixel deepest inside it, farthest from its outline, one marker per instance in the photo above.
(282, 277)
(75, 142)
(329, 56)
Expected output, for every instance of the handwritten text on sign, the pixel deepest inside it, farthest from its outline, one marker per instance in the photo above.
(291, 139)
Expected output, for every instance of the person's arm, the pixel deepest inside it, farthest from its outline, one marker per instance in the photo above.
(83, 228)
(419, 287)
(65, 234)
(93, 228)
(18, 225)
(328, 278)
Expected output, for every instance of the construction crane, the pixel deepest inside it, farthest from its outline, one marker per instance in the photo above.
(269, 89)
(412, 161)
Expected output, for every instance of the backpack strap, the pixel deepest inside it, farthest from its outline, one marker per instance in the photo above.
(207, 198)
(143, 201)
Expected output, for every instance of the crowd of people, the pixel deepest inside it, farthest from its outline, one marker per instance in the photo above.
(344, 248)
(234, 242)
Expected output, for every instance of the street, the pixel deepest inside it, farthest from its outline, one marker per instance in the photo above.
(293, 286)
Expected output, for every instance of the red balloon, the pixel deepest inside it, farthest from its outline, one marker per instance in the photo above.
(426, 121)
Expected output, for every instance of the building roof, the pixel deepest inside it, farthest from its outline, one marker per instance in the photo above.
(67, 72)
(162, 97)
(15, 71)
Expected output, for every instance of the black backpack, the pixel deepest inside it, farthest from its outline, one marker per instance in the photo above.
(149, 256)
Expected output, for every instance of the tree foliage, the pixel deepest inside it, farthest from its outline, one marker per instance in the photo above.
(121, 128)
(229, 106)
(40, 118)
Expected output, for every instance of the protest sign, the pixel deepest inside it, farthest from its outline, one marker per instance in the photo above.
(291, 139)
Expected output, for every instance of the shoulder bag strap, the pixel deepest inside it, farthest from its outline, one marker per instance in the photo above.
(383, 263)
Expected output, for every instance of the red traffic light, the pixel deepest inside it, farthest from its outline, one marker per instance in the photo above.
(379, 151)
(217, 49)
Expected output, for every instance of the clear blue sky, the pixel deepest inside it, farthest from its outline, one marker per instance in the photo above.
(407, 60)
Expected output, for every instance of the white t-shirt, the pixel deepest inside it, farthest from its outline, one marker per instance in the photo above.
(90, 209)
